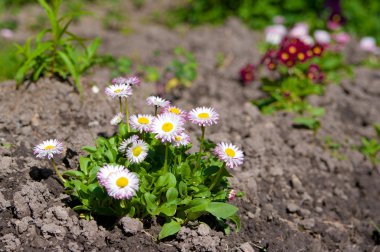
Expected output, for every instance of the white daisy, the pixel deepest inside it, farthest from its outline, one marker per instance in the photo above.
(230, 154)
(124, 145)
(203, 116)
(182, 139)
(117, 119)
(106, 171)
(48, 148)
(167, 127)
(157, 101)
(175, 110)
(122, 184)
(119, 91)
(137, 152)
(141, 122)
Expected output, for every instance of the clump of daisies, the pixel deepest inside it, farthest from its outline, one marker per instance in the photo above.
(146, 168)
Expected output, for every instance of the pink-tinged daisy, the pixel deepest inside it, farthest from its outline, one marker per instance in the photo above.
(117, 119)
(157, 101)
(230, 154)
(231, 195)
(176, 111)
(119, 81)
(182, 139)
(122, 184)
(167, 127)
(124, 145)
(137, 152)
(203, 116)
(48, 148)
(106, 171)
(142, 123)
(119, 91)
(133, 81)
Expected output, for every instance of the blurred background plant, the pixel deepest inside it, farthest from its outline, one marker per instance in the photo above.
(56, 51)
(363, 16)
(370, 147)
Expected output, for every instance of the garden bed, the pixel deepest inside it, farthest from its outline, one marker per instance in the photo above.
(300, 195)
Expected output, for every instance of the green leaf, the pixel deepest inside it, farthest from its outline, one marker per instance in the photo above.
(89, 149)
(221, 210)
(169, 229)
(182, 188)
(171, 194)
(72, 173)
(168, 209)
(235, 219)
(83, 164)
(197, 205)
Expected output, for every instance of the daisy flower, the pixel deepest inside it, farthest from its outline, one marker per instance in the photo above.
(176, 111)
(122, 184)
(141, 122)
(231, 195)
(137, 152)
(203, 116)
(182, 139)
(124, 145)
(117, 119)
(157, 101)
(167, 127)
(119, 91)
(133, 81)
(106, 171)
(230, 154)
(48, 148)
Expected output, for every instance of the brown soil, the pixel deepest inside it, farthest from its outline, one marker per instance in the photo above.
(299, 195)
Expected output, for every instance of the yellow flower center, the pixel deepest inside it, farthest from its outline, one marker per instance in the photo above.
(167, 127)
(301, 56)
(230, 152)
(292, 49)
(203, 115)
(143, 120)
(136, 151)
(178, 138)
(317, 50)
(118, 90)
(175, 111)
(122, 182)
(285, 56)
(49, 147)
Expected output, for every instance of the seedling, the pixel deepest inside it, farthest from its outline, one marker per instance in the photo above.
(182, 71)
(370, 148)
(56, 51)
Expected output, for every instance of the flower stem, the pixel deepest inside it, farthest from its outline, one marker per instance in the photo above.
(58, 173)
(120, 105)
(127, 114)
(155, 110)
(217, 176)
(200, 147)
(166, 157)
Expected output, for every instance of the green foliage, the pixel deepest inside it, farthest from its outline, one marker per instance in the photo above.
(363, 16)
(183, 69)
(370, 147)
(178, 193)
(56, 51)
(8, 60)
